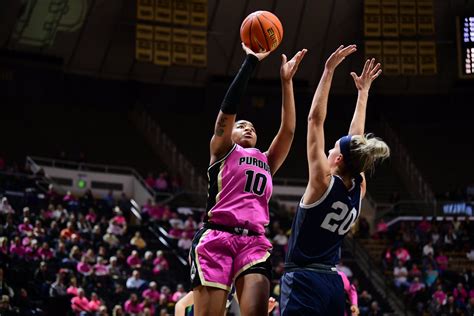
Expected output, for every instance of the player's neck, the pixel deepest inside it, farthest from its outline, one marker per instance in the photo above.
(347, 179)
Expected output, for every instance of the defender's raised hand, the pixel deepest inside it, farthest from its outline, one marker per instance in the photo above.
(369, 74)
(339, 55)
(289, 68)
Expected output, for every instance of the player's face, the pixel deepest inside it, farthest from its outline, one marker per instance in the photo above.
(244, 134)
(334, 157)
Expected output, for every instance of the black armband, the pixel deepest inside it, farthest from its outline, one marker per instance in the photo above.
(238, 86)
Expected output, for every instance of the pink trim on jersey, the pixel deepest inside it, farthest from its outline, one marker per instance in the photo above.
(349, 288)
(244, 189)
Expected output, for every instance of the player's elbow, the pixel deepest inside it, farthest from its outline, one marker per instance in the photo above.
(289, 132)
(315, 118)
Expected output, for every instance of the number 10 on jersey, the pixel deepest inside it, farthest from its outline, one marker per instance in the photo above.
(255, 183)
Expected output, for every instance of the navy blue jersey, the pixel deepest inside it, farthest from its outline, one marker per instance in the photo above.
(319, 228)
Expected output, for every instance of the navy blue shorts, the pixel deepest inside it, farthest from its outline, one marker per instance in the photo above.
(306, 292)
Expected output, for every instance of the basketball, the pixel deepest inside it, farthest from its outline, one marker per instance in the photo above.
(261, 31)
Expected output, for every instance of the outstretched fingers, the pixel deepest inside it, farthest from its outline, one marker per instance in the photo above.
(346, 51)
(375, 69)
(299, 56)
(366, 67)
(371, 66)
(376, 74)
(284, 59)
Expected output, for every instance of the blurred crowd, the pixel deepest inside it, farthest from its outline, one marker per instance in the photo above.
(431, 264)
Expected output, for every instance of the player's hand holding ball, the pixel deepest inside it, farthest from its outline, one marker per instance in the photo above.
(261, 33)
(248, 51)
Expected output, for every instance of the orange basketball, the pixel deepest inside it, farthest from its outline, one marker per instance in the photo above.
(261, 31)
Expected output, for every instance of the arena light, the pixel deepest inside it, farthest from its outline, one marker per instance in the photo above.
(465, 36)
(81, 184)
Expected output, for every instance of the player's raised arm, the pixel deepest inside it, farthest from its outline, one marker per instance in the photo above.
(281, 144)
(319, 171)
(221, 141)
(363, 83)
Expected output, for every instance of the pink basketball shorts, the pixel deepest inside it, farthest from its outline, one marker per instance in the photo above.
(218, 258)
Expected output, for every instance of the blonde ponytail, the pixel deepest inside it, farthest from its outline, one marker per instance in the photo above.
(366, 151)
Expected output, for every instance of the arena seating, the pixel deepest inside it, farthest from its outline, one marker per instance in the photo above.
(439, 266)
(35, 280)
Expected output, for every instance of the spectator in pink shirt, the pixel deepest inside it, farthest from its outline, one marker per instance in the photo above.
(442, 261)
(31, 251)
(156, 211)
(165, 295)
(46, 215)
(26, 228)
(152, 293)
(424, 226)
(134, 260)
(146, 208)
(460, 293)
(69, 197)
(80, 303)
(415, 272)
(387, 259)
(132, 306)
(150, 181)
(179, 294)
(38, 230)
(84, 267)
(160, 263)
(72, 289)
(45, 253)
(190, 223)
(382, 227)
(439, 295)
(175, 232)
(91, 216)
(166, 213)
(16, 248)
(160, 183)
(147, 304)
(415, 286)
(100, 268)
(118, 224)
(402, 254)
(185, 242)
(119, 219)
(94, 303)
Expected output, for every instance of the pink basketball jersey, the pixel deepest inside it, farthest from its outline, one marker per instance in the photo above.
(240, 186)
